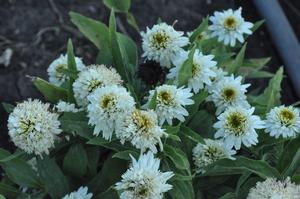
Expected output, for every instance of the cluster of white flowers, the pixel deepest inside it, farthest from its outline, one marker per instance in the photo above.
(57, 67)
(141, 129)
(272, 188)
(209, 152)
(144, 180)
(170, 102)
(33, 127)
(81, 193)
(93, 77)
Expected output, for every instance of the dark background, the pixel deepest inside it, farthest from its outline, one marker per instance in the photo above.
(37, 31)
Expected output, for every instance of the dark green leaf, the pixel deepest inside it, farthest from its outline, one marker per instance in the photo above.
(202, 27)
(125, 155)
(238, 61)
(72, 67)
(8, 190)
(76, 161)
(198, 100)
(118, 5)
(131, 20)
(51, 92)
(8, 107)
(257, 25)
(185, 71)
(55, 182)
(152, 102)
(192, 135)
(177, 156)
(288, 154)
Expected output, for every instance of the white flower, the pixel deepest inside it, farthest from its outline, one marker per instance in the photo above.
(162, 43)
(220, 74)
(272, 188)
(107, 105)
(91, 78)
(63, 106)
(283, 121)
(81, 193)
(208, 153)
(55, 69)
(229, 26)
(202, 70)
(141, 129)
(229, 92)
(32, 127)
(170, 102)
(237, 125)
(144, 180)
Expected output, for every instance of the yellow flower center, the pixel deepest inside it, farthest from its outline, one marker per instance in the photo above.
(230, 23)
(141, 120)
(165, 97)
(287, 117)
(93, 84)
(195, 69)
(160, 40)
(229, 94)
(236, 122)
(26, 126)
(107, 101)
(59, 70)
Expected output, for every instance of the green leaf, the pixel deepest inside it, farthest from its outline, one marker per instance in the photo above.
(76, 161)
(51, 92)
(125, 155)
(19, 171)
(2, 197)
(95, 31)
(114, 145)
(72, 68)
(288, 154)
(202, 27)
(257, 25)
(198, 98)
(118, 5)
(173, 131)
(240, 165)
(294, 165)
(93, 154)
(181, 190)
(185, 71)
(131, 21)
(118, 62)
(229, 196)
(238, 61)
(152, 102)
(8, 107)
(257, 63)
(177, 156)
(260, 74)
(110, 193)
(111, 173)
(11, 157)
(271, 95)
(76, 122)
(192, 135)
(55, 182)
(8, 190)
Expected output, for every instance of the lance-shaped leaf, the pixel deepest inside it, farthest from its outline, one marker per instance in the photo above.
(238, 61)
(186, 70)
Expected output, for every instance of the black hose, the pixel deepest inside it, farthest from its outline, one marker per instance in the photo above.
(283, 37)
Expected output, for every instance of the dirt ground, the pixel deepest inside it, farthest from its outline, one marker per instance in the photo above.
(37, 32)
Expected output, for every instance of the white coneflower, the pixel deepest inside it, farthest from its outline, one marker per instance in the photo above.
(63, 106)
(141, 129)
(56, 68)
(272, 188)
(283, 121)
(229, 26)
(144, 180)
(91, 78)
(81, 193)
(170, 102)
(107, 105)
(237, 125)
(162, 43)
(229, 92)
(202, 71)
(220, 74)
(208, 153)
(32, 127)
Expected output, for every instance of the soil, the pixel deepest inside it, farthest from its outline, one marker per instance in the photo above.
(37, 32)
